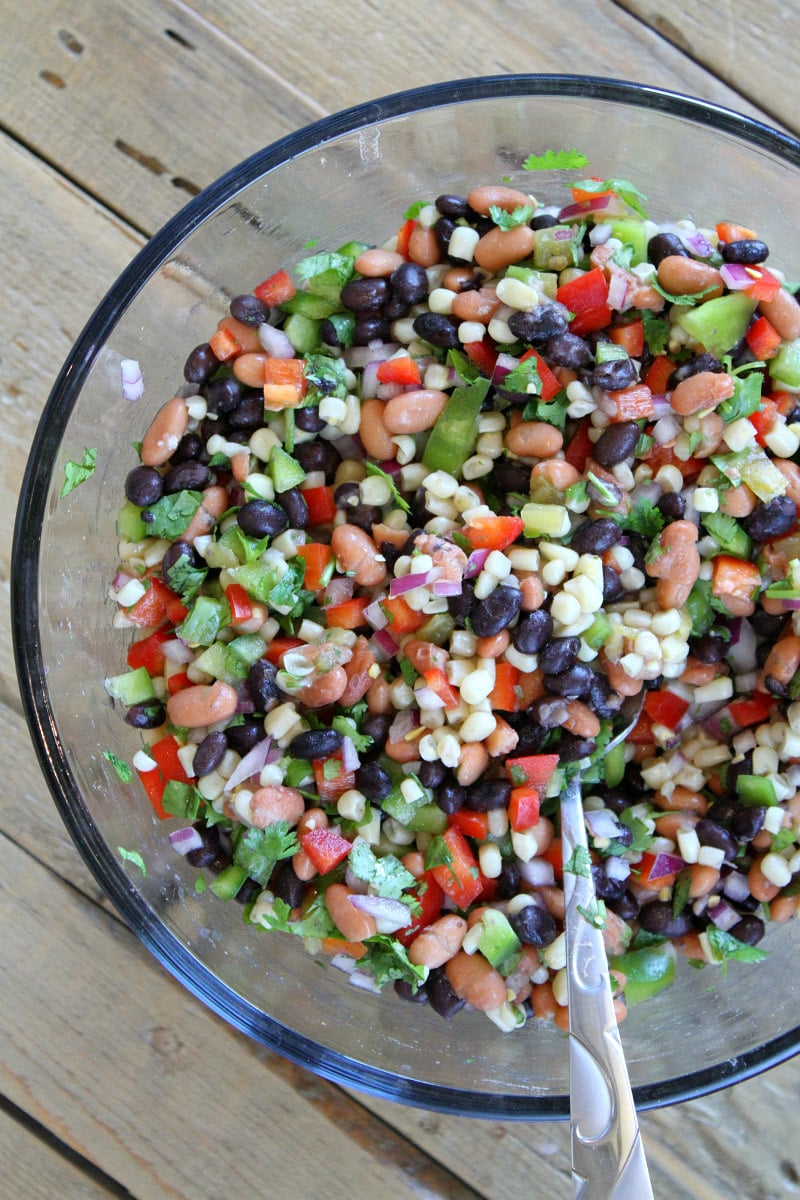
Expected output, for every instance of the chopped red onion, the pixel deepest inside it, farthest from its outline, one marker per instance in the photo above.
(369, 380)
(251, 764)
(724, 916)
(407, 583)
(338, 590)
(662, 406)
(602, 823)
(562, 235)
(618, 292)
(350, 759)
(390, 466)
(736, 276)
(390, 914)
(698, 243)
(177, 651)
(385, 642)
(185, 840)
(361, 979)
(596, 204)
(387, 391)
(505, 363)
(428, 698)
(275, 342)
(666, 864)
(344, 962)
(448, 587)
(538, 872)
(120, 579)
(736, 887)
(406, 720)
(475, 563)
(132, 385)
(375, 616)
(720, 725)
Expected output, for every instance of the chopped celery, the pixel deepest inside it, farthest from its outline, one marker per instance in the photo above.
(598, 632)
(134, 687)
(303, 332)
(633, 233)
(648, 971)
(545, 520)
(130, 526)
(784, 368)
(614, 765)
(498, 942)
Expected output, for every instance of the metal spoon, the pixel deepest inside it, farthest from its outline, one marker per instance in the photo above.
(608, 1161)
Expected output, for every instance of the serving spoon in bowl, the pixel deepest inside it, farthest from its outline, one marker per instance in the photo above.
(608, 1161)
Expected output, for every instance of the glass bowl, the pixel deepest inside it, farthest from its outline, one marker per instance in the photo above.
(351, 176)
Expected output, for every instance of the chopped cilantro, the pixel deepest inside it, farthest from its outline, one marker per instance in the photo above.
(595, 913)
(642, 938)
(258, 850)
(181, 800)
(437, 854)
(624, 256)
(315, 923)
(782, 840)
(576, 493)
(580, 862)
(725, 946)
(219, 460)
(746, 398)
(644, 445)
(409, 674)
(386, 960)
(556, 160)
(656, 332)
(413, 210)
(702, 606)
(340, 265)
(606, 495)
(120, 766)
(348, 728)
(462, 542)
(170, 516)
(554, 411)
(246, 549)
(386, 874)
(689, 298)
(680, 893)
(76, 473)
(463, 366)
(523, 377)
(132, 856)
(620, 187)
(643, 518)
(326, 375)
(201, 884)
(331, 769)
(509, 220)
(184, 578)
(374, 469)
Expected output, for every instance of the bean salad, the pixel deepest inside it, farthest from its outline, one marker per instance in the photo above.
(417, 522)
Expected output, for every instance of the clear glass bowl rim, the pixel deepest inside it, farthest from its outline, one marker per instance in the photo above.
(30, 666)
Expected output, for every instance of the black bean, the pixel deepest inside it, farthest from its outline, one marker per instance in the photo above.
(374, 781)
(187, 476)
(249, 413)
(671, 505)
(665, 245)
(369, 328)
(143, 485)
(223, 395)
(329, 334)
(531, 737)
(544, 221)
(262, 518)
(318, 456)
(533, 632)
(431, 774)
(210, 753)
(568, 350)
(543, 322)
(488, 794)
(626, 907)
(409, 283)
(749, 930)
(767, 625)
(709, 648)
(509, 879)
(173, 555)
(210, 853)
(605, 887)
(771, 519)
(748, 250)
(747, 822)
(441, 997)
(452, 206)
(308, 419)
(247, 891)
(497, 611)
(347, 495)
(572, 683)
(364, 295)
(294, 505)
(617, 800)
(148, 714)
(191, 446)
(405, 991)
(201, 363)
(444, 229)
(723, 810)
(242, 738)
(375, 726)
(262, 685)
(249, 310)
(286, 885)
(462, 606)
(550, 712)
(711, 833)
(315, 743)
(616, 443)
(364, 516)
(615, 374)
(602, 701)
(558, 654)
(533, 925)
(437, 330)
(595, 537)
(701, 362)
(613, 591)
(511, 476)
(656, 916)
(739, 766)
(572, 749)
(450, 796)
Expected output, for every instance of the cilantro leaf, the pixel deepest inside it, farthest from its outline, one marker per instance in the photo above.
(181, 800)
(595, 913)
(702, 607)
(319, 264)
(387, 960)
(464, 367)
(555, 160)
(656, 332)
(258, 850)
(576, 493)
(76, 473)
(124, 772)
(523, 377)
(725, 946)
(554, 411)
(413, 210)
(170, 516)
(680, 894)
(315, 923)
(438, 854)
(386, 874)
(374, 469)
(184, 578)
(580, 862)
(688, 298)
(783, 839)
(620, 187)
(132, 856)
(326, 375)
(410, 676)
(348, 728)
(644, 518)
(746, 398)
(509, 220)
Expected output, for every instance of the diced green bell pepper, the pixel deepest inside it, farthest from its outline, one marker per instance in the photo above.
(453, 436)
(719, 324)
(648, 971)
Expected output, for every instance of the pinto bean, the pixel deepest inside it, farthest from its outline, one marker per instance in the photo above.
(414, 862)
(372, 430)
(543, 1002)
(165, 431)
(684, 276)
(458, 279)
(478, 305)
(761, 888)
(738, 501)
(475, 980)
(384, 533)
(440, 942)
(502, 740)
(318, 690)
(423, 248)
(706, 389)
(781, 663)
(403, 751)
(494, 646)
(670, 825)
(357, 555)
(379, 696)
(357, 672)
(554, 901)
(489, 195)
(473, 761)
(784, 313)
(678, 564)
(302, 866)
(249, 368)
(202, 704)
(353, 924)
(413, 412)
(534, 439)
(702, 880)
(783, 908)
(425, 656)
(557, 471)
(377, 263)
(276, 803)
(620, 681)
(212, 506)
(791, 473)
(245, 335)
(500, 247)
(581, 721)
(532, 590)
(681, 799)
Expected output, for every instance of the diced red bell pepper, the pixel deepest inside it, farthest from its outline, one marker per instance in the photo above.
(331, 778)
(318, 558)
(729, 231)
(523, 808)
(284, 383)
(348, 615)
(532, 770)
(461, 878)
(437, 682)
(665, 707)
(580, 194)
(402, 617)
(580, 447)
(321, 508)
(587, 297)
(550, 384)
(276, 290)
(177, 682)
(158, 604)
(224, 344)
(734, 577)
(632, 403)
(642, 732)
(483, 354)
(325, 847)
(493, 533)
(763, 420)
(503, 696)
(472, 824)
(553, 854)
(766, 287)
(645, 878)
(763, 339)
(402, 369)
(165, 753)
(278, 647)
(658, 374)
(630, 337)
(239, 603)
(147, 652)
(154, 784)
(430, 897)
(404, 236)
(753, 711)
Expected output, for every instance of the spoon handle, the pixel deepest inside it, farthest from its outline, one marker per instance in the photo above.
(608, 1161)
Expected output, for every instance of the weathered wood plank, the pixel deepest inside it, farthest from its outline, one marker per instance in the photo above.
(34, 1168)
(748, 46)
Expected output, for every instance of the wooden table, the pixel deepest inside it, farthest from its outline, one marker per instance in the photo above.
(119, 1083)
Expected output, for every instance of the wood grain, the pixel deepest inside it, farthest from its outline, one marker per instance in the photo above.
(35, 1168)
